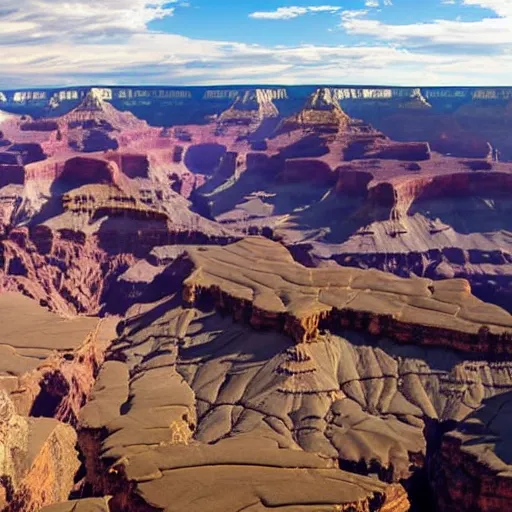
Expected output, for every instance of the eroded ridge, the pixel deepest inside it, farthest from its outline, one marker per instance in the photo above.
(174, 408)
(258, 280)
(38, 460)
(473, 468)
(188, 395)
(48, 363)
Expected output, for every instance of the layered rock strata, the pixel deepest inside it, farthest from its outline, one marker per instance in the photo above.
(152, 429)
(251, 107)
(321, 111)
(38, 460)
(258, 280)
(231, 397)
(473, 468)
(49, 363)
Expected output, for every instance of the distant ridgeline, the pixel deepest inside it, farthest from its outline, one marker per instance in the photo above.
(168, 106)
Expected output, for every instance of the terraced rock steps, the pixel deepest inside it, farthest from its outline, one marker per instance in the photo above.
(258, 280)
(154, 429)
(48, 367)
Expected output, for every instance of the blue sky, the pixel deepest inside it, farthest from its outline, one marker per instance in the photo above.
(231, 21)
(381, 42)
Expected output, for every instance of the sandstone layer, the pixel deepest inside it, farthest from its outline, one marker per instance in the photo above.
(238, 388)
(38, 461)
(49, 363)
(258, 279)
(152, 431)
(232, 237)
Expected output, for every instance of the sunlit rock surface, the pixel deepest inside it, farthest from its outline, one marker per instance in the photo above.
(292, 298)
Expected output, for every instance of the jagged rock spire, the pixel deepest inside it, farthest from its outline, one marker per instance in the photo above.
(252, 106)
(322, 99)
(321, 111)
(93, 102)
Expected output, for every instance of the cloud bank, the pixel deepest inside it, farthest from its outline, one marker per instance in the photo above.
(66, 42)
(286, 13)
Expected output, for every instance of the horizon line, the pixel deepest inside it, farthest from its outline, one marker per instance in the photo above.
(255, 86)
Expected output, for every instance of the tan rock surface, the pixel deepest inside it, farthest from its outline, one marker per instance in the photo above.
(153, 420)
(259, 279)
(38, 460)
(85, 505)
(188, 395)
(265, 384)
(48, 362)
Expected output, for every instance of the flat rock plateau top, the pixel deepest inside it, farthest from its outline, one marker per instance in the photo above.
(245, 299)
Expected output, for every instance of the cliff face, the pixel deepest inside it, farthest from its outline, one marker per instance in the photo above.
(48, 367)
(271, 290)
(460, 121)
(407, 218)
(172, 405)
(321, 111)
(147, 452)
(350, 398)
(251, 107)
(69, 276)
(39, 460)
(232, 360)
(261, 177)
(53, 375)
(475, 459)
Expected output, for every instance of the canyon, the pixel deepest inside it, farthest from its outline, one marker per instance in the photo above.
(291, 298)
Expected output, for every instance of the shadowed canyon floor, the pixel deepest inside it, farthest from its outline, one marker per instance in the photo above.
(262, 302)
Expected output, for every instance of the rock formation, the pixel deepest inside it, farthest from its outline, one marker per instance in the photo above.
(471, 470)
(38, 460)
(322, 112)
(182, 443)
(51, 374)
(251, 107)
(347, 393)
(193, 289)
(271, 290)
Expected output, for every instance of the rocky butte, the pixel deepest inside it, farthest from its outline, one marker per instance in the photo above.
(235, 298)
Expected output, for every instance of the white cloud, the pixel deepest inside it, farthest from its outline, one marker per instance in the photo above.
(82, 18)
(500, 7)
(171, 59)
(325, 8)
(282, 13)
(66, 42)
(485, 33)
(286, 13)
(376, 3)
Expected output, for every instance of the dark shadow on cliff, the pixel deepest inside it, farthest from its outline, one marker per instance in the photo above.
(312, 207)
(204, 158)
(235, 343)
(154, 315)
(491, 425)
(120, 295)
(337, 216)
(276, 198)
(475, 214)
(52, 208)
(310, 146)
(265, 129)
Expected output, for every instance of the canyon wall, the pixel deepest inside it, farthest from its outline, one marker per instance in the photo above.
(168, 106)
